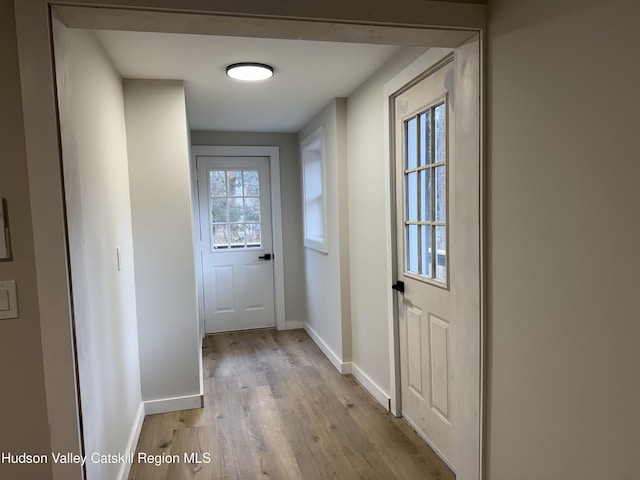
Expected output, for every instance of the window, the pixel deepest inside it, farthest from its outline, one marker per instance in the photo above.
(234, 203)
(313, 185)
(425, 193)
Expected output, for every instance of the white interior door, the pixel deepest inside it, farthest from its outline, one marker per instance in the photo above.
(436, 129)
(236, 242)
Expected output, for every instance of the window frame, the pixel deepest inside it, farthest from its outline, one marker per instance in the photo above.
(312, 152)
(228, 223)
(431, 166)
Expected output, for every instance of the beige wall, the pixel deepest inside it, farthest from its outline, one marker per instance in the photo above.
(563, 240)
(327, 274)
(23, 411)
(563, 356)
(43, 164)
(96, 176)
(295, 305)
(159, 175)
(368, 221)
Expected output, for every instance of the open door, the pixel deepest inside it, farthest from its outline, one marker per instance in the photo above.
(436, 131)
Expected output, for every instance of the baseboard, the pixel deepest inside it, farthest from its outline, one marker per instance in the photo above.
(201, 370)
(293, 325)
(370, 386)
(341, 366)
(174, 404)
(125, 467)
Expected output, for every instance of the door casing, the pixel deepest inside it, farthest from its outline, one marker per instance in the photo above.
(470, 465)
(273, 153)
(446, 22)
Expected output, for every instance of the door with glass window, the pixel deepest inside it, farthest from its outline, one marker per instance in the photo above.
(437, 214)
(236, 242)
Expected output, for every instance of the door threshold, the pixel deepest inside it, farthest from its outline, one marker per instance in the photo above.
(240, 331)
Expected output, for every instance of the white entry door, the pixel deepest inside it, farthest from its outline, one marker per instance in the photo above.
(236, 242)
(437, 210)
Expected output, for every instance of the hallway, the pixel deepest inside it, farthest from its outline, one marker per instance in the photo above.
(276, 408)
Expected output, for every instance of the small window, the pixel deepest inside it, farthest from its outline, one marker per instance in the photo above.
(313, 185)
(425, 193)
(234, 203)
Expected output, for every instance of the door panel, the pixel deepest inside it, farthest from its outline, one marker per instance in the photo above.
(437, 158)
(428, 217)
(439, 362)
(222, 281)
(259, 291)
(235, 225)
(415, 342)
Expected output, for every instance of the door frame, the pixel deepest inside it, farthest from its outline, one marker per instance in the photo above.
(424, 23)
(472, 464)
(273, 155)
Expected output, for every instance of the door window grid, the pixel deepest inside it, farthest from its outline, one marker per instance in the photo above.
(425, 186)
(234, 206)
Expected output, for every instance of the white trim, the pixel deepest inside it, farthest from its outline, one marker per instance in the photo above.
(411, 71)
(370, 386)
(483, 260)
(49, 238)
(125, 467)
(319, 243)
(42, 142)
(173, 404)
(471, 464)
(346, 368)
(201, 364)
(342, 367)
(442, 456)
(415, 68)
(394, 22)
(276, 211)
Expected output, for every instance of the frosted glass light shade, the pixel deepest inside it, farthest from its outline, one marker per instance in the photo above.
(249, 71)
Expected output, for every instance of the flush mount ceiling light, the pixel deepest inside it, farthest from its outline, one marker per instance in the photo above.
(250, 71)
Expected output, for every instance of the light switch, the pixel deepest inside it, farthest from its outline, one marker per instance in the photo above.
(8, 299)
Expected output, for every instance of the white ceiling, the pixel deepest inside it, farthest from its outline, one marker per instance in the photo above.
(308, 74)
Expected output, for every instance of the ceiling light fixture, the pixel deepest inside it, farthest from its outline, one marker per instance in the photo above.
(249, 71)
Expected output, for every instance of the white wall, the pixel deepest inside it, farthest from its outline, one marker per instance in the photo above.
(23, 409)
(327, 275)
(290, 192)
(94, 148)
(41, 156)
(563, 356)
(563, 236)
(369, 223)
(158, 149)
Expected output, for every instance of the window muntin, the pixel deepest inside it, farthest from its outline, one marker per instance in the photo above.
(234, 206)
(314, 192)
(425, 193)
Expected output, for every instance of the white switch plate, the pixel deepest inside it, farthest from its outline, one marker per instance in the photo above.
(8, 299)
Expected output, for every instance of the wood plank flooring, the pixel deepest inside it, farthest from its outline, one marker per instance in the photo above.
(275, 408)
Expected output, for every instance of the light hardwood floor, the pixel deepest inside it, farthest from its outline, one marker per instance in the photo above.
(275, 408)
